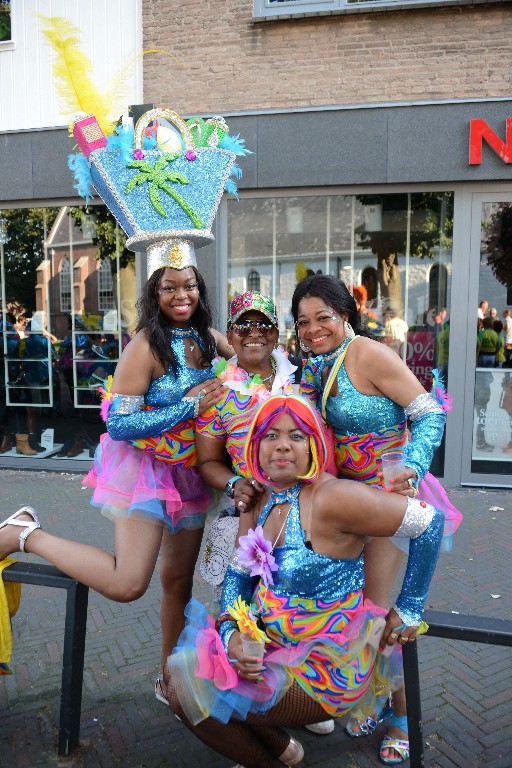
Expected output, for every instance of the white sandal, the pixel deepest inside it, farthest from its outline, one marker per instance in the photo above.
(28, 526)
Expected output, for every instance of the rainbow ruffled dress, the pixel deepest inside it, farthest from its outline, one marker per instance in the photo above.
(321, 635)
(146, 464)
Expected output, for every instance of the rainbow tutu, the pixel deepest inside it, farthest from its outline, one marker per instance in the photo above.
(128, 480)
(329, 648)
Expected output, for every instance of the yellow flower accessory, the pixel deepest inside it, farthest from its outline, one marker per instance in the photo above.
(241, 613)
(423, 628)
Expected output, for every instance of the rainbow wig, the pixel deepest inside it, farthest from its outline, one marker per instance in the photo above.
(306, 417)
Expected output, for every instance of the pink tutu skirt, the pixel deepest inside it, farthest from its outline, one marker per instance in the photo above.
(128, 480)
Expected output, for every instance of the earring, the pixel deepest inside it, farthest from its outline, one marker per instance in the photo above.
(303, 346)
(349, 331)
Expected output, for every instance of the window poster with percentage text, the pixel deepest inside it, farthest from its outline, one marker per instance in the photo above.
(420, 356)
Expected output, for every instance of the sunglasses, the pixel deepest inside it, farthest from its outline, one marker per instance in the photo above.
(245, 326)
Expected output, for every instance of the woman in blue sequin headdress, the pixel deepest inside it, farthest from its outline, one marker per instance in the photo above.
(294, 588)
(164, 187)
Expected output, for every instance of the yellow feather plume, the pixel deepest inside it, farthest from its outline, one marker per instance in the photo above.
(72, 70)
(116, 92)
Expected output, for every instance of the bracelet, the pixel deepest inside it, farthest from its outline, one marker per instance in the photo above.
(194, 400)
(223, 617)
(227, 638)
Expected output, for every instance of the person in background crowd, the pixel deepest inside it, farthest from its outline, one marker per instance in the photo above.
(482, 309)
(507, 332)
(487, 345)
(500, 354)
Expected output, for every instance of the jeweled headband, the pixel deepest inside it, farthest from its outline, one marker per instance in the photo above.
(252, 300)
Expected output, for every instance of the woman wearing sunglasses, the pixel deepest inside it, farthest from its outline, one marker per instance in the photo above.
(258, 370)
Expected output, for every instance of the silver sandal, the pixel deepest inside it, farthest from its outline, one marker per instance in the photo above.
(28, 526)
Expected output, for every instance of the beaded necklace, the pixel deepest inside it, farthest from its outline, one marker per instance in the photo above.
(339, 349)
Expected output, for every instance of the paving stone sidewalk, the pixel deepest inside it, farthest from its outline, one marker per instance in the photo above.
(466, 699)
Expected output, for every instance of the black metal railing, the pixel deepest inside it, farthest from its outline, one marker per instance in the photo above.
(74, 643)
(476, 629)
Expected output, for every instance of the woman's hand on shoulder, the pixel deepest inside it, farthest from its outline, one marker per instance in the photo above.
(223, 347)
(209, 393)
(247, 492)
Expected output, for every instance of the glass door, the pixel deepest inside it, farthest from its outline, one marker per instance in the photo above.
(488, 424)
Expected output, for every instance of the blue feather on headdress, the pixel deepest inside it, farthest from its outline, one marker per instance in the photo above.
(79, 165)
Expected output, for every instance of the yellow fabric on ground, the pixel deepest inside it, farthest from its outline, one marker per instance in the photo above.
(10, 594)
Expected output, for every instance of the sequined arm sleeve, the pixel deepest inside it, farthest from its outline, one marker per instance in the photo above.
(126, 419)
(307, 387)
(237, 583)
(424, 525)
(427, 426)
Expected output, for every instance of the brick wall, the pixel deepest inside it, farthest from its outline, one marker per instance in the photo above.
(230, 63)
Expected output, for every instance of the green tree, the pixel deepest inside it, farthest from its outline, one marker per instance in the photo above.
(23, 231)
(104, 236)
(431, 228)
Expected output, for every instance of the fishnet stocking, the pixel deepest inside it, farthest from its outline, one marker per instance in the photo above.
(258, 741)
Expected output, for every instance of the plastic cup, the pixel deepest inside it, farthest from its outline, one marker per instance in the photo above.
(252, 647)
(392, 465)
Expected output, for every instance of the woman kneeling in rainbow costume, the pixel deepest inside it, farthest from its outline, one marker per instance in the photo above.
(296, 583)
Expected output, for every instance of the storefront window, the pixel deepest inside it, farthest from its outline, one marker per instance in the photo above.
(68, 309)
(395, 249)
(492, 426)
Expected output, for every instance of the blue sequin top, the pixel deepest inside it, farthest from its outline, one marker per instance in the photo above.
(351, 412)
(165, 396)
(171, 387)
(304, 573)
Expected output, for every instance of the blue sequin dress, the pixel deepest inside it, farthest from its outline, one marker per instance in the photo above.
(366, 426)
(146, 464)
(321, 634)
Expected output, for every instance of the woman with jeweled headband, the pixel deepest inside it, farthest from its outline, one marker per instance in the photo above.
(367, 394)
(259, 369)
(295, 585)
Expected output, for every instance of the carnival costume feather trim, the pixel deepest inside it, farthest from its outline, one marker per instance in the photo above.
(440, 392)
(106, 397)
(72, 70)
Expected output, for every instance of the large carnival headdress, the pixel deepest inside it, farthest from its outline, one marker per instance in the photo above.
(164, 200)
(163, 185)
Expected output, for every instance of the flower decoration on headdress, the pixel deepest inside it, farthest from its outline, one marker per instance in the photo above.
(255, 552)
(243, 616)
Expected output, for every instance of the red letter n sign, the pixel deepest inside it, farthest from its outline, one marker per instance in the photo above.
(480, 131)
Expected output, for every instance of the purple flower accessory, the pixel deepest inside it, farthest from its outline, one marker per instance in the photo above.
(190, 154)
(138, 154)
(255, 552)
